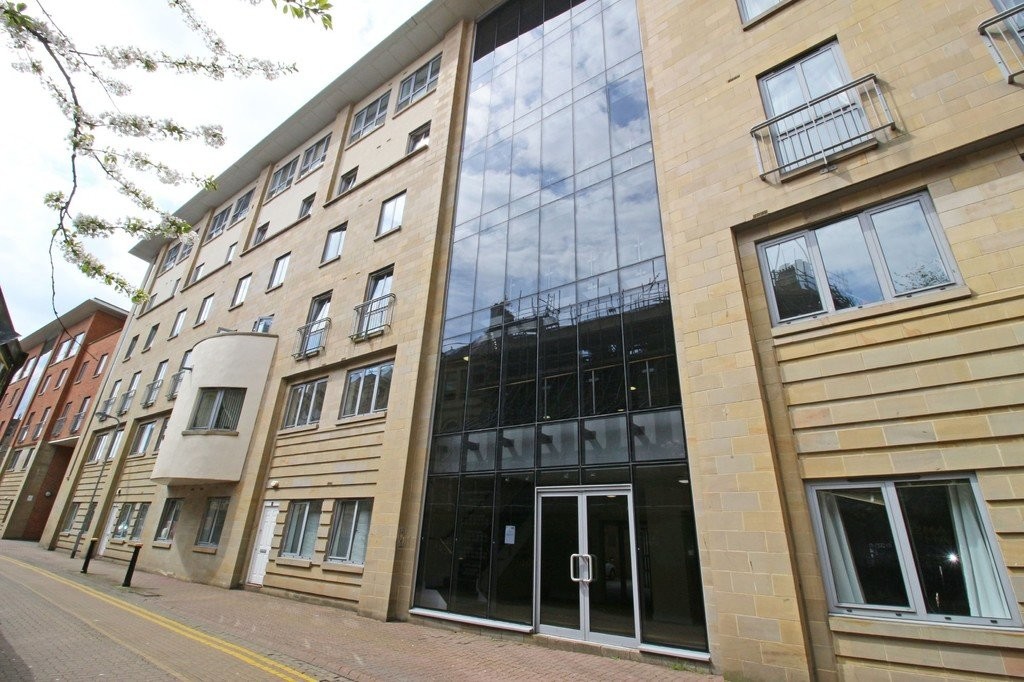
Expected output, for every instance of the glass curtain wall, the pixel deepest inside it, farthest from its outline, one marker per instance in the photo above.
(558, 364)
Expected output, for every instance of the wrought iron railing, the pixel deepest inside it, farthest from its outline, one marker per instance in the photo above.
(152, 392)
(175, 384)
(39, 430)
(76, 422)
(842, 121)
(373, 317)
(311, 338)
(107, 405)
(58, 426)
(126, 401)
(1004, 36)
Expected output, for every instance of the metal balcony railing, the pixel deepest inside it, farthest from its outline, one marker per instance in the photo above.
(311, 338)
(175, 384)
(840, 122)
(76, 422)
(58, 426)
(107, 405)
(373, 317)
(39, 430)
(24, 433)
(152, 392)
(1004, 37)
(126, 401)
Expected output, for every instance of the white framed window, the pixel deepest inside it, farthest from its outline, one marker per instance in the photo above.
(260, 235)
(312, 336)
(179, 322)
(12, 463)
(350, 529)
(204, 309)
(61, 377)
(920, 549)
(141, 510)
(241, 289)
(45, 385)
(370, 117)
(282, 178)
(186, 249)
(101, 365)
(171, 258)
(263, 324)
(131, 347)
(143, 437)
(71, 517)
(115, 443)
(334, 243)
(217, 409)
(150, 337)
(230, 256)
(28, 458)
(197, 273)
(418, 138)
(121, 524)
(242, 206)
(306, 207)
(300, 528)
(887, 252)
(62, 351)
(213, 521)
(347, 181)
(367, 389)
(305, 402)
(279, 271)
(126, 399)
(373, 316)
(168, 519)
(76, 345)
(220, 221)
(391, 212)
(315, 155)
(750, 9)
(130, 519)
(422, 81)
(153, 388)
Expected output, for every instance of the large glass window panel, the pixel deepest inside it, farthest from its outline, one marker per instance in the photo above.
(446, 454)
(519, 388)
(637, 216)
(621, 32)
(462, 277)
(557, 243)
(604, 440)
(528, 85)
(657, 435)
(484, 376)
(503, 97)
(497, 176)
(591, 131)
(434, 572)
(512, 598)
(672, 604)
(595, 230)
(556, 147)
(909, 248)
(523, 260)
(627, 102)
(557, 391)
(526, 169)
(490, 268)
(517, 447)
(473, 545)
(480, 450)
(557, 67)
(587, 49)
(453, 377)
(851, 276)
(471, 187)
(602, 381)
(791, 275)
(558, 445)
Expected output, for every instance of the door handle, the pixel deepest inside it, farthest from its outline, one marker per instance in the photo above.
(589, 561)
(574, 574)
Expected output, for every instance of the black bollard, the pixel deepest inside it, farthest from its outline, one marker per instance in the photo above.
(131, 567)
(88, 554)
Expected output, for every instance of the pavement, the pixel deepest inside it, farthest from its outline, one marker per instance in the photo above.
(58, 624)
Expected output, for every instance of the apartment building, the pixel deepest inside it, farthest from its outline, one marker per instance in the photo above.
(11, 355)
(44, 411)
(688, 329)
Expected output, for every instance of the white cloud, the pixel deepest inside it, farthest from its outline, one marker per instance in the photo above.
(35, 147)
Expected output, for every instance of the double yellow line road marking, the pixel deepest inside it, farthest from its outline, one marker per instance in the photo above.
(247, 656)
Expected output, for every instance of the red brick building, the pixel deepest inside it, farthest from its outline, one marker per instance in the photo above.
(45, 407)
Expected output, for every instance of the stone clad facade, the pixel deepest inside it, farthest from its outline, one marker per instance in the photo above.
(692, 329)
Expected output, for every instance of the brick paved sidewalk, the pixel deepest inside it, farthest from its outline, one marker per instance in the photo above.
(332, 643)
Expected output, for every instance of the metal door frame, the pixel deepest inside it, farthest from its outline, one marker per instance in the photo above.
(581, 493)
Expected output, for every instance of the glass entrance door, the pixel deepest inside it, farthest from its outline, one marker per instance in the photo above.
(585, 575)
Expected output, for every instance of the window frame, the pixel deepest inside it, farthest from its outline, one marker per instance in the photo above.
(204, 310)
(295, 540)
(279, 271)
(151, 337)
(336, 533)
(314, 157)
(306, 207)
(241, 290)
(213, 520)
(169, 519)
(418, 138)
(143, 437)
(261, 321)
(361, 372)
(242, 207)
(325, 256)
(431, 71)
(71, 516)
(218, 224)
(363, 124)
(917, 609)
(211, 423)
(282, 179)
(746, 16)
(259, 235)
(347, 181)
(875, 253)
(396, 204)
(179, 323)
(303, 397)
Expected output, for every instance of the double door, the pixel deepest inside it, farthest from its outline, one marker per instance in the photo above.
(585, 574)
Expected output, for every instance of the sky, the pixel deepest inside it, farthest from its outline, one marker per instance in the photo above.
(34, 144)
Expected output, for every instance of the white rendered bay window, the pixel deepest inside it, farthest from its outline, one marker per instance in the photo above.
(915, 549)
(887, 252)
(217, 409)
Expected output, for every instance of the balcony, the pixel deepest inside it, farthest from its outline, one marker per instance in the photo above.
(846, 120)
(76, 422)
(311, 338)
(58, 427)
(107, 405)
(126, 402)
(39, 430)
(175, 385)
(1004, 36)
(152, 392)
(24, 433)
(373, 317)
